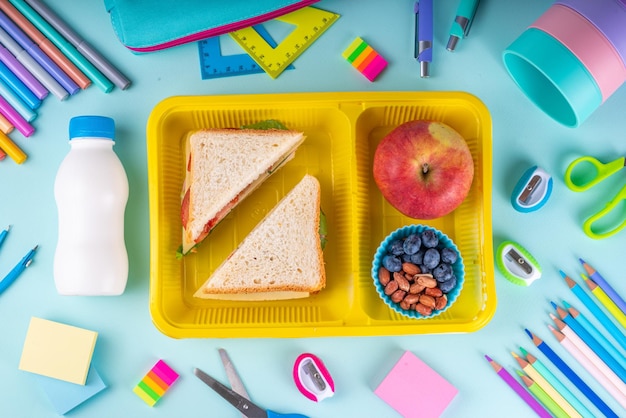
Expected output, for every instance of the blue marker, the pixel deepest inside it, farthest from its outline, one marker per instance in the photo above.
(19, 87)
(3, 234)
(424, 35)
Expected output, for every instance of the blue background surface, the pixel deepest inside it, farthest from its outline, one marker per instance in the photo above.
(129, 344)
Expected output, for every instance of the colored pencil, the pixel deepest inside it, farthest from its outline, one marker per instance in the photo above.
(566, 407)
(605, 300)
(593, 330)
(592, 343)
(588, 352)
(46, 46)
(596, 277)
(12, 149)
(542, 396)
(71, 52)
(519, 389)
(556, 384)
(584, 361)
(603, 318)
(571, 375)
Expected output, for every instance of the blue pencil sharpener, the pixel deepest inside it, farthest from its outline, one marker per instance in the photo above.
(532, 191)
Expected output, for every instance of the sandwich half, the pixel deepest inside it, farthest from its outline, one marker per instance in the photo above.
(223, 167)
(282, 256)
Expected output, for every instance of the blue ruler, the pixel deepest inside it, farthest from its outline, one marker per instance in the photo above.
(214, 65)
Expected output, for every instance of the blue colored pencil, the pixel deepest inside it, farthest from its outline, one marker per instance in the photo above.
(571, 375)
(593, 330)
(593, 344)
(604, 285)
(596, 311)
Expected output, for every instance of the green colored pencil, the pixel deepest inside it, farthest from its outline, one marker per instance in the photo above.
(542, 396)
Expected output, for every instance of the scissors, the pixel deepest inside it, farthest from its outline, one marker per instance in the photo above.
(586, 172)
(235, 397)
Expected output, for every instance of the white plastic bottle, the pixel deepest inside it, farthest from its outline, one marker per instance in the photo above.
(91, 192)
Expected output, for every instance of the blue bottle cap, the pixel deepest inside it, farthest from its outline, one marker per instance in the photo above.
(92, 126)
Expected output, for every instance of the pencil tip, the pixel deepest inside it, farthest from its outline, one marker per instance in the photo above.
(581, 261)
(488, 358)
(563, 273)
(530, 334)
(524, 352)
(567, 305)
(553, 305)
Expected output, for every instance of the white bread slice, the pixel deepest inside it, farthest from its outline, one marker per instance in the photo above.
(223, 167)
(282, 256)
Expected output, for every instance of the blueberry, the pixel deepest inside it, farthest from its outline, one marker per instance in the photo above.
(448, 255)
(396, 247)
(443, 272)
(424, 269)
(392, 263)
(406, 258)
(412, 244)
(429, 238)
(417, 258)
(431, 258)
(448, 285)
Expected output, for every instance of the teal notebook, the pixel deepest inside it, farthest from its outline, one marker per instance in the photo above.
(152, 25)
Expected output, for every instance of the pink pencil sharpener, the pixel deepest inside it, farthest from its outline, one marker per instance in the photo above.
(312, 378)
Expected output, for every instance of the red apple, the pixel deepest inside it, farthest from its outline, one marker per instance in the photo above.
(424, 169)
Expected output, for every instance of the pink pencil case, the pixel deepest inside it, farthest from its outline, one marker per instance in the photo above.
(152, 25)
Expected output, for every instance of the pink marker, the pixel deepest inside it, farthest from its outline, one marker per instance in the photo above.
(15, 118)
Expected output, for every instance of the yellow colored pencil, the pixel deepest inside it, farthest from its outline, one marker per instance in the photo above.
(547, 387)
(605, 300)
(11, 149)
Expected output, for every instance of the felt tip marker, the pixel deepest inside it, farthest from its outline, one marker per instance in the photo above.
(462, 22)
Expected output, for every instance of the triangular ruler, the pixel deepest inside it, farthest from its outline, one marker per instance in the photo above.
(310, 23)
(214, 65)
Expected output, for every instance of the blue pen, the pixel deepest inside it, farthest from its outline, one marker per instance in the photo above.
(50, 66)
(19, 87)
(462, 22)
(17, 270)
(424, 35)
(4, 234)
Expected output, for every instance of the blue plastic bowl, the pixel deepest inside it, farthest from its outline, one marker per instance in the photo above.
(552, 77)
(444, 241)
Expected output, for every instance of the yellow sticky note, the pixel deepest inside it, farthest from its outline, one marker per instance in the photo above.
(58, 350)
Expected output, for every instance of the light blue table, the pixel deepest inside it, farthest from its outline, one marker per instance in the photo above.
(128, 343)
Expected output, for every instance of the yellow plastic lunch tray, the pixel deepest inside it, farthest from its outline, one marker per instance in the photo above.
(342, 131)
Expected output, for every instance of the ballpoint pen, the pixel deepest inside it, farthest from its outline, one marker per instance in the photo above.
(17, 270)
(4, 234)
(462, 22)
(424, 35)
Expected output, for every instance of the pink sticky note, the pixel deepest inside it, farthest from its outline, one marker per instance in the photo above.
(414, 389)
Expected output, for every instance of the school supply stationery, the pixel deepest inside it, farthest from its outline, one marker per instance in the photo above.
(519, 389)
(148, 25)
(155, 383)
(423, 50)
(310, 23)
(312, 378)
(532, 190)
(584, 173)
(602, 297)
(18, 269)
(12, 149)
(516, 264)
(238, 400)
(571, 375)
(540, 394)
(3, 234)
(597, 277)
(214, 65)
(365, 59)
(462, 24)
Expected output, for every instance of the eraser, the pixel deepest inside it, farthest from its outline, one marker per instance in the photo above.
(155, 383)
(365, 59)
(65, 396)
(58, 350)
(415, 390)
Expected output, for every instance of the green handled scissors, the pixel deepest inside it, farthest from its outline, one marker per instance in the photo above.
(584, 173)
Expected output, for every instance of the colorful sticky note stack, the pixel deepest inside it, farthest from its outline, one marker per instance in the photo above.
(415, 390)
(60, 357)
(365, 59)
(155, 383)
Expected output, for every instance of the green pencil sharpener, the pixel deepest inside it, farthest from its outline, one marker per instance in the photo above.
(517, 264)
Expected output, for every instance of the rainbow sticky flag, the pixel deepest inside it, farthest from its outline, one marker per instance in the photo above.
(365, 59)
(155, 383)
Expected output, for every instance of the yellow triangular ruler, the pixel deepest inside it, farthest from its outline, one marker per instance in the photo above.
(310, 23)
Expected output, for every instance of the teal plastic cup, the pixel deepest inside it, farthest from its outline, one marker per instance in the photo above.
(552, 77)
